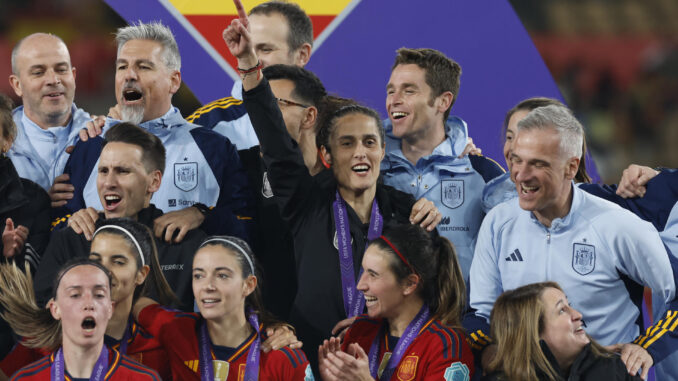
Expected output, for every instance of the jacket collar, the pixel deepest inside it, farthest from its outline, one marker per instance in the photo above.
(566, 221)
(158, 126)
(146, 216)
(445, 155)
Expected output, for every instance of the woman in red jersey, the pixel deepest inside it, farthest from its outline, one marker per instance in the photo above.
(82, 304)
(223, 341)
(414, 292)
(126, 248)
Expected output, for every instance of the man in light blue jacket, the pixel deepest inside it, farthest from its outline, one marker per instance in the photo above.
(424, 145)
(601, 254)
(48, 121)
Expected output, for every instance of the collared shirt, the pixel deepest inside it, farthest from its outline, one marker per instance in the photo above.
(39, 155)
(601, 254)
(453, 184)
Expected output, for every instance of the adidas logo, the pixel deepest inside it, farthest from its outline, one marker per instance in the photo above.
(515, 256)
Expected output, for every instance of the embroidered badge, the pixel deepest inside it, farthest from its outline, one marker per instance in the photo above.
(266, 189)
(186, 176)
(408, 368)
(457, 372)
(583, 258)
(452, 193)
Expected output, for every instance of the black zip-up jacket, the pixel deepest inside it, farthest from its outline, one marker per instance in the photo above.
(176, 259)
(27, 204)
(586, 367)
(306, 204)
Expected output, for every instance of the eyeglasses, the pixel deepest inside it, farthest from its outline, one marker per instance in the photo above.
(285, 102)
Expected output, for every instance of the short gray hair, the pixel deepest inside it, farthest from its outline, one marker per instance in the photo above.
(562, 120)
(154, 31)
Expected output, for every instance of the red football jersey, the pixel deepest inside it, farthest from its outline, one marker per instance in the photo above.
(142, 348)
(437, 353)
(120, 368)
(178, 333)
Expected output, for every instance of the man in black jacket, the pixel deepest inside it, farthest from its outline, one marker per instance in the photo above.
(129, 172)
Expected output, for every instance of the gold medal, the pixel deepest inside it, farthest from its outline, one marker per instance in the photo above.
(382, 365)
(220, 370)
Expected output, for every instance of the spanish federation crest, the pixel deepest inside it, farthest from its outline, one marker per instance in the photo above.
(583, 258)
(186, 176)
(452, 193)
(457, 372)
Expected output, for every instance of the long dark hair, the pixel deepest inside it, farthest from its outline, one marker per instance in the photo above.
(155, 284)
(434, 259)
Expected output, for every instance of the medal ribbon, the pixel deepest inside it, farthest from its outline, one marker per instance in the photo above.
(126, 336)
(353, 303)
(411, 333)
(98, 372)
(252, 365)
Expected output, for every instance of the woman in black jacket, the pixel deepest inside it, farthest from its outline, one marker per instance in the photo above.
(24, 213)
(332, 216)
(540, 336)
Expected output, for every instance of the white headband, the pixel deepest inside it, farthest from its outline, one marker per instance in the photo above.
(141, 253)
(232, 243)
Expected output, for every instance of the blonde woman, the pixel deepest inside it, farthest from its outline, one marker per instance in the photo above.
(540, 336)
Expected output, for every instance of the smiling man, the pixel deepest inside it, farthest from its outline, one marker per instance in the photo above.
(204, 185)
(282, 33)
(48, 121)
(423, 144)
(129, 172)
(601, 254)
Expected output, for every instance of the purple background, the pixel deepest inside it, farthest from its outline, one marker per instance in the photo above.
(500, 65)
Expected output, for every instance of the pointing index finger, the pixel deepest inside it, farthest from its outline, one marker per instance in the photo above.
(242, 15)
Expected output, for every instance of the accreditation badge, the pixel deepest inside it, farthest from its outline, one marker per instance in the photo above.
(382, 365)
(220, 370)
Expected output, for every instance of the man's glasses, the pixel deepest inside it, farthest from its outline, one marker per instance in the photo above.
(285, 102)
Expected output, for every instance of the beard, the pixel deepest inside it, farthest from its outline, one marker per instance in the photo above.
(132, 114)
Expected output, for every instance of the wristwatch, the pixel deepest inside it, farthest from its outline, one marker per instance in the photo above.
(202, 208)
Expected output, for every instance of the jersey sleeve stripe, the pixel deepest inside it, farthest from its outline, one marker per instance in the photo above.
(664, 329)
(654, 332)
(224, 103)
(290, 356)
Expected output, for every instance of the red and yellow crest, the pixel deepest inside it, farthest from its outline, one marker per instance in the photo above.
(210, 17)
(408, 368)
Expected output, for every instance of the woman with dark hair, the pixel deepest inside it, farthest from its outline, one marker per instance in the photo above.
(79, 312)
(502, 188)
(415, 293)
(331, 224)
(539, 336)
(127, 249)
(223, 342)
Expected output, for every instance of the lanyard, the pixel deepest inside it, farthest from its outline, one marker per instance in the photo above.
(411, 333)
(98, 372)
(252, 365)
(126, 336)
(353, 303)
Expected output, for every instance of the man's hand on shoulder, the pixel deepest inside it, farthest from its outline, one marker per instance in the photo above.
(179, 222)
(83, 221)
(634, 178)
(61, 191)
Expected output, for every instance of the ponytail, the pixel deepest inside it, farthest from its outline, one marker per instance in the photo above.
(451, 293)
(20, 310)
(434, 260)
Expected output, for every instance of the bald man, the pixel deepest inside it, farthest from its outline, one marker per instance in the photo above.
(42, 75)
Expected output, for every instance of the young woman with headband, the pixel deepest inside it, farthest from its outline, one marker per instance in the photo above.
(127, 249)
(223, 342)
(414, 293)
(82, 306)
